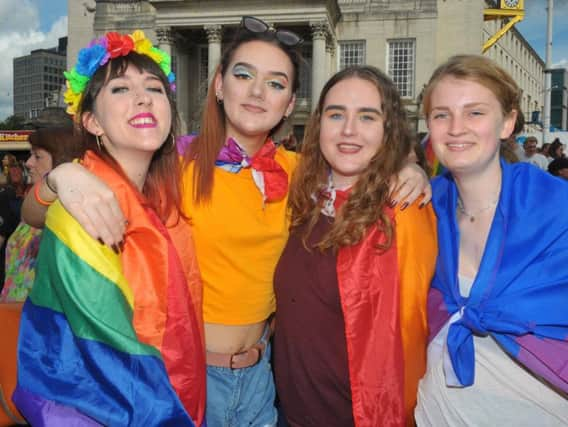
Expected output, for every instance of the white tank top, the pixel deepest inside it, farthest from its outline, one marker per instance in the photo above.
(503, 394)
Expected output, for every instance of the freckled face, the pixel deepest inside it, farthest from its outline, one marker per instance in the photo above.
(466, 125)
(351, 129)
(256, 90)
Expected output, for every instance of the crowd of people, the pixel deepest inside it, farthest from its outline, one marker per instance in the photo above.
(175, 272)
(549, 157)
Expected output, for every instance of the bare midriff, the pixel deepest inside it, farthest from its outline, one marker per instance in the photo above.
(232, 339)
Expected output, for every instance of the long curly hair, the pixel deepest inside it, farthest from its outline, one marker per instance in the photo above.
(369, 198)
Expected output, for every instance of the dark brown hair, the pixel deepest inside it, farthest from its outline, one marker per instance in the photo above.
(162, 187)
(370, 195)
(62, 143)
(204, 150)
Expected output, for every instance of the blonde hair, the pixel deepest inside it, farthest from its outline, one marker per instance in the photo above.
(487, 73)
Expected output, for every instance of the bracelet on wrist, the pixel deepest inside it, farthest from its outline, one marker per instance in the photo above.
(46, 178)
(38, 196)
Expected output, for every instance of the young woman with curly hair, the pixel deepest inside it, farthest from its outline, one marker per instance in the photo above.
(351, 285)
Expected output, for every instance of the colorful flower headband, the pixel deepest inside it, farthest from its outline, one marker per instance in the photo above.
(99, 52)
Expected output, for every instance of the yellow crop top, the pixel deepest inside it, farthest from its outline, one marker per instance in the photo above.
(238, 243)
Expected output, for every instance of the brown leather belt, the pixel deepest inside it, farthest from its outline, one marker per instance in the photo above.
(240, 360)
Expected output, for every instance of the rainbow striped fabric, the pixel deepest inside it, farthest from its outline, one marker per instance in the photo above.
(109, 339)
(435, 165)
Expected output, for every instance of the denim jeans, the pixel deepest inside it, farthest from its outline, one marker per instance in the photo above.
(242, 397)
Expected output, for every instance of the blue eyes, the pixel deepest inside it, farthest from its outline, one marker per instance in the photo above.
(362, 117)
(475, 113)
(246, 75)
(276, 85)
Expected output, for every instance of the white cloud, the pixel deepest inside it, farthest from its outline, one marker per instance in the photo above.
(19, 35)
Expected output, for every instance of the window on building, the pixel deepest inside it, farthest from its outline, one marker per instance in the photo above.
(351, 53)
(402, 64)
(305, 90)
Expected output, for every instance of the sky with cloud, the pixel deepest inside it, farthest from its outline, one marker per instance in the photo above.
(36, 24)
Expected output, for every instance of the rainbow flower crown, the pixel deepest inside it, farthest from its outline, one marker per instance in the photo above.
(99, 52)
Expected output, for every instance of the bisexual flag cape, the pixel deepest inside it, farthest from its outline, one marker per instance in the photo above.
(109, 339)
(520, 293)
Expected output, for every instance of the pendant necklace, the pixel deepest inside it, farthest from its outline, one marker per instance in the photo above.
(471, 215)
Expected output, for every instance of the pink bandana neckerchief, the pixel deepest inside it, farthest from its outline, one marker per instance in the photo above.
(269, 177)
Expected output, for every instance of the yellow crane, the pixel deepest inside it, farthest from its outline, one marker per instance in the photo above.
(511, 10)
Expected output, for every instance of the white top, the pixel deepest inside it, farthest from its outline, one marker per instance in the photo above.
(503, 394)
(537, 159)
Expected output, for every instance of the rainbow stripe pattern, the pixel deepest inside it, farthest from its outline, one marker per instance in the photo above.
(435, 165)
(109, 339)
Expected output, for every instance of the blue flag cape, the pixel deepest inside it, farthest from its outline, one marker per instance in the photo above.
(520, 293)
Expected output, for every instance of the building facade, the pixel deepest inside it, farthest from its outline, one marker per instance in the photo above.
(559, 99)
(406, 38)
(38, 79)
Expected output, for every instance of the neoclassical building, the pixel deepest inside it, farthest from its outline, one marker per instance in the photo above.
(406, 38)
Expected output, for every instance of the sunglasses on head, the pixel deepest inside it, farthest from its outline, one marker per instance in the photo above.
(257, 26)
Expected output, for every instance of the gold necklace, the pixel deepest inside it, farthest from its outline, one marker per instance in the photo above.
(472, 215)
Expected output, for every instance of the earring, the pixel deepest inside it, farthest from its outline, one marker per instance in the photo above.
(284, 118)
(99, 143)
(219, 99)
(173, 141)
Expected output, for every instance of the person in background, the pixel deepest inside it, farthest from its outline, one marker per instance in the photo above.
(531, 154)
(113, 336)
(497, 306)
(544, 150)
(17, 180)
(352, 282)
(556, 150)
(49, 147)
(559, 167)
(8, 223)
(8, 160)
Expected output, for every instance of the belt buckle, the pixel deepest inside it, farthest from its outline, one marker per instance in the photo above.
(259, 356)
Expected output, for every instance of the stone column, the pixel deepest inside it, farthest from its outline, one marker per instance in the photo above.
(165, 39)
(214, 35)
(183, 80)
(319, 35)
(330, 55)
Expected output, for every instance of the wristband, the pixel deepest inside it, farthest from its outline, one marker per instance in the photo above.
(38, 197)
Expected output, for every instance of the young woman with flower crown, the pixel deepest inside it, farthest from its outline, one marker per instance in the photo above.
(115, 337)
(235, 186)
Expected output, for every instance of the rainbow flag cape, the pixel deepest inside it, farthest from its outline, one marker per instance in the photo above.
(109, 339)
(435, 165)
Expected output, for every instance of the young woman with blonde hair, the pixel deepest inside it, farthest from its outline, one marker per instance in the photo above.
(497, 308)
